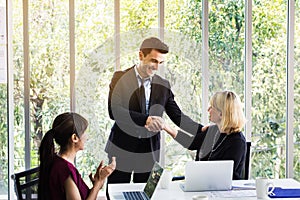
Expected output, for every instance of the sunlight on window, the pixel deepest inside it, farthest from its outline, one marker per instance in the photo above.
(268, 89)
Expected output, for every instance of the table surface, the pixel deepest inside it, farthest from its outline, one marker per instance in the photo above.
(243, 188)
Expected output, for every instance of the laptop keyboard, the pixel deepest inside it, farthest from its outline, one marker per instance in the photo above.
(135, 195)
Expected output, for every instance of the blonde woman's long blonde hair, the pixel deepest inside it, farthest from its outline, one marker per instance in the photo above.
(229, 104)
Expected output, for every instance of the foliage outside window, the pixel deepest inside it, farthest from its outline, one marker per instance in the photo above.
(49, 71)
(183, 70)
(268, 89)
(297, 94)
(3, 114)
(3, 139)
(94, 67)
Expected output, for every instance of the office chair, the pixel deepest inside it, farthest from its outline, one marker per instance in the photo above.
(245, 172)
(26, 183)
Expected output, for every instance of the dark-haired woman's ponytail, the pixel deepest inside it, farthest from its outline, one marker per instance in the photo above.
(46, 153)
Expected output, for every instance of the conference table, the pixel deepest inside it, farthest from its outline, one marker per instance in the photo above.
(242, 189)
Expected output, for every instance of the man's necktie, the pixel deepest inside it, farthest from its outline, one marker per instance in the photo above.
(142, 97)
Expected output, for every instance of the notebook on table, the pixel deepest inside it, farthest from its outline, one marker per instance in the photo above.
(208, 175)
(279, 192)
(149, 188)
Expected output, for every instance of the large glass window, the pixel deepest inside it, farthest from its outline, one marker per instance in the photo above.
(183, 69)
(94, 67)
(269, 88)
(138, 20)
(3, 105)
(18, 60)
(3, 139)
(49, 71)
(226, 46)
(296, 93)
(49, 66)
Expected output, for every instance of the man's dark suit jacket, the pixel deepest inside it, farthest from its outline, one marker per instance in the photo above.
(128, 133)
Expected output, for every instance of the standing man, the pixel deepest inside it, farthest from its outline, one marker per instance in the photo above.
(137, 99)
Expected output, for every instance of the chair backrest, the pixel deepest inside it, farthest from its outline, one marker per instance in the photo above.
(246, 171)
(26, 183)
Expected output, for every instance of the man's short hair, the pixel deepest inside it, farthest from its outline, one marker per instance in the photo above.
(153, 43)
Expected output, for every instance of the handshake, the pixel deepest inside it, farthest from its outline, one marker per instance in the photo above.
(156, 124)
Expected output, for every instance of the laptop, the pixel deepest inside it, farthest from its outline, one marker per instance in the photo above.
(149, 188)
(208, 175)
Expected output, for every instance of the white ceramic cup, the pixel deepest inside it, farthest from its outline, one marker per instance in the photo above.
(166, 179)
(200, 197)
(263, 186)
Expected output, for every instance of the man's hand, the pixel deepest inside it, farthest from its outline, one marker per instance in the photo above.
(154, 123)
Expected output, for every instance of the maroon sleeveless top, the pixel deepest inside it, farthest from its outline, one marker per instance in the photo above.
(60, 171)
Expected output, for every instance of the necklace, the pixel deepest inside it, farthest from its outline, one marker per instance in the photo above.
(214, 149)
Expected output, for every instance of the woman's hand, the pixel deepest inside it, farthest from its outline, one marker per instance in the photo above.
(108, 169)
(204, 128)
(171, 131)
(102, 173)
(93, 178)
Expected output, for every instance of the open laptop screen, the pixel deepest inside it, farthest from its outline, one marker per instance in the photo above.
(153, 179)
(208, 175)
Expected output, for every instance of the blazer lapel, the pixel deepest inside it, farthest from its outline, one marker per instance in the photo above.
(132, 79)
(154, 93)
(133, 84)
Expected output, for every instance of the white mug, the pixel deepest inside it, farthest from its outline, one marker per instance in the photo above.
(200, 197)
(263, 186)
(166, 179)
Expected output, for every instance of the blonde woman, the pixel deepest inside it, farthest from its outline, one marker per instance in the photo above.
(222, 141)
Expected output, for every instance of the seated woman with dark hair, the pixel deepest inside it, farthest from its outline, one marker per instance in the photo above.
(222, 141)
(58, 178)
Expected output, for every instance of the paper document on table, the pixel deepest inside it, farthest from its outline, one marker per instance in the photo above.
(243, 185)
(234, 193)
(247, 184)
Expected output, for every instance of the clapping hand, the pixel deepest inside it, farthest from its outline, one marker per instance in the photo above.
(103, 172)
